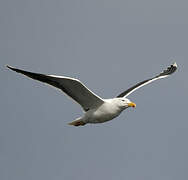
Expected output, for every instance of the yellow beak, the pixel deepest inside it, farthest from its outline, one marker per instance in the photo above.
(131, 104)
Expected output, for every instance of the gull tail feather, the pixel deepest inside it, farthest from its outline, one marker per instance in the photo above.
(77, 122)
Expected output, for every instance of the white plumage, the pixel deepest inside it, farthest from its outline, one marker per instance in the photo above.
(97, 110)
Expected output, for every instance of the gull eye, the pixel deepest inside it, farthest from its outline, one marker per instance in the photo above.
(123, 100)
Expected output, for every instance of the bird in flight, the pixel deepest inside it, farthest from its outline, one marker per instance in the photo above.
(97, 110)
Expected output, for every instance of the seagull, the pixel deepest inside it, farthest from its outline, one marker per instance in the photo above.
(96, 109)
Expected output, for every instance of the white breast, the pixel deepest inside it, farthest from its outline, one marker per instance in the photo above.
(107, 111)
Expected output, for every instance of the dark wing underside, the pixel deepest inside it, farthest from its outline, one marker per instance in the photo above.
(171, 69)
(72, 87)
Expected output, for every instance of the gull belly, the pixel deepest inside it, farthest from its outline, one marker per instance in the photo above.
(106, 112)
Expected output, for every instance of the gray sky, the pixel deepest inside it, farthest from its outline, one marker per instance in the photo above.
(109, 45)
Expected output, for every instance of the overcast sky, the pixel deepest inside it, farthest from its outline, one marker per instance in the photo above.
(109, 45)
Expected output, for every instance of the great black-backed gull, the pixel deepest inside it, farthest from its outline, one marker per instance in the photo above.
(97, 110)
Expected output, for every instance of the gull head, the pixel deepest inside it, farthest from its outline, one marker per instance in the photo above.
(125, 103)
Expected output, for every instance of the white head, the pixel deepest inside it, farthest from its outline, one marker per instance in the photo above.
(124, 103)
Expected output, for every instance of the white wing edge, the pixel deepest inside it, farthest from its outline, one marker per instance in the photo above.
(171, 69)
(79, 82)
(150, 81)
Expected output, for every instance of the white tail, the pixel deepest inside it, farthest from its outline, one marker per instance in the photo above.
(77, 122)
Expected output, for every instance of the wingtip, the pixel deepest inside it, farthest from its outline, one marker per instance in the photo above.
(8, 66)
(175, 64)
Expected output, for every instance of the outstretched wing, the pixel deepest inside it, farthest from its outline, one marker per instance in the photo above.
(72, 87)
(171, 69)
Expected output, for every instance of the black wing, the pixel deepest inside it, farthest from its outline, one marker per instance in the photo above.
(171, 69)
(72, 87)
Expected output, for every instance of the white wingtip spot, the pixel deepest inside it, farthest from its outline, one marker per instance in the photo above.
(175, 64)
